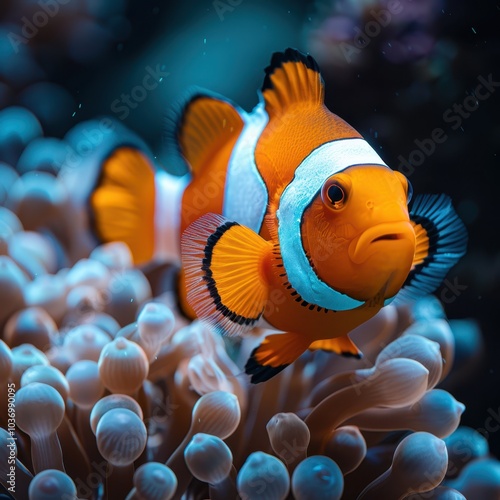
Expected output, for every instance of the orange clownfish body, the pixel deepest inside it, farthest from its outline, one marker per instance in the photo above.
(288, 218)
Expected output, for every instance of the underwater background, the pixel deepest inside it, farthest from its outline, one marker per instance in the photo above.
(403, 73)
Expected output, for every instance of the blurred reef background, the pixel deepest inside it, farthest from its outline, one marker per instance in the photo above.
(404, 73)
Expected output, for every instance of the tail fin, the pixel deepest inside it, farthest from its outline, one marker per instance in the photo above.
(110, 175)
(122, 204)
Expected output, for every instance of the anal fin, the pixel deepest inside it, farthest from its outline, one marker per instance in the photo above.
(224, 266)
(339, 345)
(274, 354)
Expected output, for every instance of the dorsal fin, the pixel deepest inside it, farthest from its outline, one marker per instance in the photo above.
(291, 78)
(198, 126)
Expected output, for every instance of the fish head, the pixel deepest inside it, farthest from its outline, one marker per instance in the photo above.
(357, 232)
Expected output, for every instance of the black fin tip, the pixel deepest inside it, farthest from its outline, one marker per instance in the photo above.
(261, 373)
(280, 58)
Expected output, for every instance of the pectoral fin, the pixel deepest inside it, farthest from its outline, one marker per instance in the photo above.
(441, 240)
(224, 266)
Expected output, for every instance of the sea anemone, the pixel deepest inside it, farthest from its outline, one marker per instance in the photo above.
(108, 390)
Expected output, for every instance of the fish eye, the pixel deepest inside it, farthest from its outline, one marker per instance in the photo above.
(333, 194)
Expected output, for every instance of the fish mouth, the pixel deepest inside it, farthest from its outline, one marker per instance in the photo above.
(390, 236)
(386, 237)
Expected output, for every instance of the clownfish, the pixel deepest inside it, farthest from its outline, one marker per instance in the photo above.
(287, 218)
